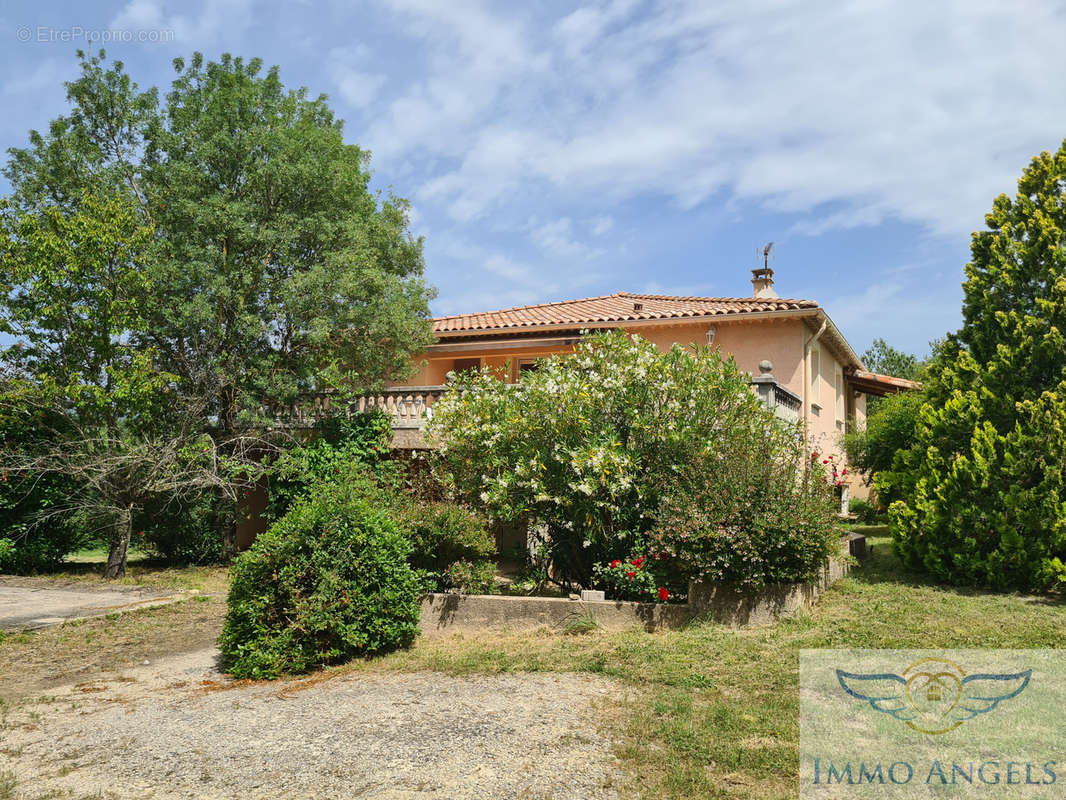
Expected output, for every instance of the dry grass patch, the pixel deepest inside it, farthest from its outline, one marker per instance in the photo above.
(78, 651)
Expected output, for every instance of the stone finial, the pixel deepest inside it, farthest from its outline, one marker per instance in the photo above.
(766, 366)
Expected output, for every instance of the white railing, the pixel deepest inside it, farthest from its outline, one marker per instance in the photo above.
(407, 406)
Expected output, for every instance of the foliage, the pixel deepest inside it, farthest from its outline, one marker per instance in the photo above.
(986, 500)
(470, 577)
(890, 429)
(629, 579)
(884, 359)
(96, 416)
(37, 532)
(865, 511)
(217, 251)
(274, 270)
(336, 444)
(327, 582)
(180, 531)
(765, 514)
(586, 444)
(451, 545)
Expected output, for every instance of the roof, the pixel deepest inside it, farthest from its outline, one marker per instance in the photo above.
(880, 385)
(618, 307)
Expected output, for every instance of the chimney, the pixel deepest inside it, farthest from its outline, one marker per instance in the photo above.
(763, 282)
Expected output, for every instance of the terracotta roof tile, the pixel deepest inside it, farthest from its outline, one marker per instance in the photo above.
(619, 307)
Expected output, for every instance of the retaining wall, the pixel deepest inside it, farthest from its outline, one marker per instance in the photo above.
(450, 613)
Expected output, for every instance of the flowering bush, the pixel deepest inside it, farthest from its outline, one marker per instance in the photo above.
(764, 515)
(630, 579)
(586, 445)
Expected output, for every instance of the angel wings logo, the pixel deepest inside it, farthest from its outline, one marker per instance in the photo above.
(934, 695)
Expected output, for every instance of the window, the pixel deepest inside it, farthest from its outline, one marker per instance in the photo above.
(816, 376)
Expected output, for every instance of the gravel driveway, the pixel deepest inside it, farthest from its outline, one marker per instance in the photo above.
(177, 729)
(26, 604)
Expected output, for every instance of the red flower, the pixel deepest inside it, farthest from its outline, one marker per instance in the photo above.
(663, 594)
(638, 562)
(814, 455)
(616, 563)
(825, 460)
(630, 575)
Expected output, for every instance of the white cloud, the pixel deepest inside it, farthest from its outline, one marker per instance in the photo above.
(601, 224)
(357, 88)
(896, 111)
(556, 239)
(218, 20)
(46, 77)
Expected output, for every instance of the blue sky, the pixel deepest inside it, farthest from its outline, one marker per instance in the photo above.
(556, 150)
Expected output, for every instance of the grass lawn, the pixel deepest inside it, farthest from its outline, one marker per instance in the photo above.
(714, 713)
(702, 712)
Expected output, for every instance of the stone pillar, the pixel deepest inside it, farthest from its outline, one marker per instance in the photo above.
(764, 383)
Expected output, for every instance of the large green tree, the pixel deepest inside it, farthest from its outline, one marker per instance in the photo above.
(274, 271)
(270, 270)
(91, 409)
(987, 504)
(883, 358)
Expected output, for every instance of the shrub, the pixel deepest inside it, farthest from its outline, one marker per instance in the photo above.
(628, 579)
(890, 431)
(39, 530)
(451, 544)
(471, 577)
(585, 445)
(865, 511)
(985, 503)
(335, 445)
(990, 513)
(327, 582)
(765, 514)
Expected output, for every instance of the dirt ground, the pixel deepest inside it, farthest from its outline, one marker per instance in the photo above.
(34, 663)
(176, 728)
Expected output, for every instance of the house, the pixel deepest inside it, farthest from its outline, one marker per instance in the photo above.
(800, 362)
(799, 359)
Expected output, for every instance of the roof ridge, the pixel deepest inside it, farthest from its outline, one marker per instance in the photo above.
(532, 305)
(677, 298)
(717, 299)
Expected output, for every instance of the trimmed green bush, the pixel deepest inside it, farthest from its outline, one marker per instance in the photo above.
(327, 582)
(451, 545)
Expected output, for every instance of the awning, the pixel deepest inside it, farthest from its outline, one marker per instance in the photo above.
(879, 385)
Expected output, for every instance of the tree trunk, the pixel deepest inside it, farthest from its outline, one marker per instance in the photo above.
(119, 540)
